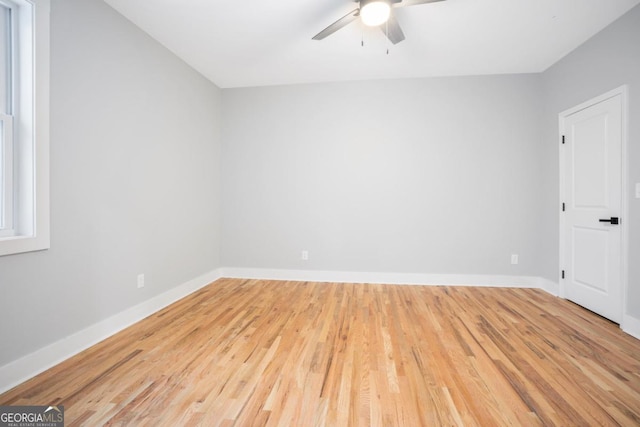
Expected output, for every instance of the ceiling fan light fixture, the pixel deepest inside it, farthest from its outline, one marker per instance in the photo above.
(374, 12)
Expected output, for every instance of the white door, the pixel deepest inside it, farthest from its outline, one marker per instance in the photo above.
(591, 230)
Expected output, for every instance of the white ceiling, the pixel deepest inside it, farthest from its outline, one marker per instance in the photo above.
(238, 43)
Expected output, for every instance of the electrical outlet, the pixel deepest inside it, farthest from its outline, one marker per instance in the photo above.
(140, 281)
(305, 255)
(514, 259)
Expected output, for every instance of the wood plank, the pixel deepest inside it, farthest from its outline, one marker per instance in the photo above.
(271, 353)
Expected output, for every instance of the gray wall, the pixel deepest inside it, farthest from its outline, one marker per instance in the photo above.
(134, 180)
(608, 60)
(422, 176)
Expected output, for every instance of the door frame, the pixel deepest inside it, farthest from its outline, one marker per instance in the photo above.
(623, 92)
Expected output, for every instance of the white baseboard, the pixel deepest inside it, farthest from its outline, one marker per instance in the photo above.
(389, 278)
(547, 285)
(631, 326)
(32, 364)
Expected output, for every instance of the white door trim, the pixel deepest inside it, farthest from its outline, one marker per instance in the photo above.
(622, 91)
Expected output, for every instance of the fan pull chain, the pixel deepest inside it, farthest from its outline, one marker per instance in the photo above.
(387, 28)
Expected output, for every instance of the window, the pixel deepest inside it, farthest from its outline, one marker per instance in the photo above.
(24, 125)
(6, 123)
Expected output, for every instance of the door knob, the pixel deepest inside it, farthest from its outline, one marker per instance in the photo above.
(614, 220)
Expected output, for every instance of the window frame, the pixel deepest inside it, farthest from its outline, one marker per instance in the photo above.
(30, 128)
(6, 178)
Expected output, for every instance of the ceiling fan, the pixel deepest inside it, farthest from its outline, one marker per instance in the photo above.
(374, 13)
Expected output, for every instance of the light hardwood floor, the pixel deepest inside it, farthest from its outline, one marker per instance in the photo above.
(253, 353)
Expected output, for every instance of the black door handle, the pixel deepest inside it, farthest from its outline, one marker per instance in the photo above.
(614, 220)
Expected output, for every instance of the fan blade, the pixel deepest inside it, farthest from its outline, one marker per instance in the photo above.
(342, 22)
(392, 30)
(404, 3)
